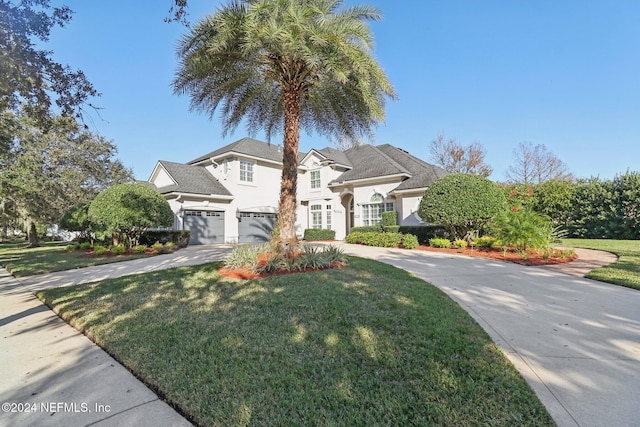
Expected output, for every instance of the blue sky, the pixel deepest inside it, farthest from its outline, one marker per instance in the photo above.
(561, 73)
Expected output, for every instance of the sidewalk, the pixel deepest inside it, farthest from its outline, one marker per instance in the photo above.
(52, 375)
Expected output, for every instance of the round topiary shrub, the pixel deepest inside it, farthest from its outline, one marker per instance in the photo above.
(462, 203)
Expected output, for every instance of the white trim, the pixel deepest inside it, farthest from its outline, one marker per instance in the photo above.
(367, 180)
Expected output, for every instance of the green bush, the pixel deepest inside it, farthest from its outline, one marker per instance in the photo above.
(523, 229)
(460, 243)
(245, 256)
(485, 242)
(311, 234)
(99, 250)
(139, 249)
(129, 209)
(424, 232)
(438, 242)
(384, 240)
(179, 237)
(463, 203)
(160, 248)
(366, 229)
(409, 241)
(118, 250)
(84, 246)
(389, 219)
(71, 248)
(391, 228)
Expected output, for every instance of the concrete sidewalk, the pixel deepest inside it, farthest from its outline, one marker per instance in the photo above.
(52, 375)
(576, 341)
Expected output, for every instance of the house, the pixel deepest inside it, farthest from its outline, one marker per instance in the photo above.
(231, 194)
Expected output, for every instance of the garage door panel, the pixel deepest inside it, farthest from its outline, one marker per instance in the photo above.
(256, 227)
(206, 227)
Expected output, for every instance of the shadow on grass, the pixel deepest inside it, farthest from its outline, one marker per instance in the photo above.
(367, 344)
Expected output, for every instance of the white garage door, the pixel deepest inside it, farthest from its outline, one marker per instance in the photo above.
(256, 227)
(207, 227)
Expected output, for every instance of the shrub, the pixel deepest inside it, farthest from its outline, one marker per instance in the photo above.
(84, 246)
(139, 249)
(463, 203)
(391, 228)
(334, 254)
(99, 250)
(485, 242)
(438, 242)
(71, 248)
(118, 250)
(384, 240)
(366, 229)
(389, 219)
(424, 232)
(245, 256)
(128, 209)
(523, 229)
(159, 248)
(460, 243)
(179, 237)
(409, 241)
(311, 234)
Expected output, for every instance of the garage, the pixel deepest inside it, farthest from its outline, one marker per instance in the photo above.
(207, 227)
(254, 227)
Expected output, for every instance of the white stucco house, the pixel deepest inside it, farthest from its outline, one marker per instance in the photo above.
(231, 194)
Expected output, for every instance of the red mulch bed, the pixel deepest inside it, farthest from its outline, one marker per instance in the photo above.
(532, 257)
(245, 274)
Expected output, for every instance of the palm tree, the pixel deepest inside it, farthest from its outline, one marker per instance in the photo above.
(283, 65)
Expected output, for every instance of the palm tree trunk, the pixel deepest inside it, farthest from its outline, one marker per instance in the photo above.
(289, 182)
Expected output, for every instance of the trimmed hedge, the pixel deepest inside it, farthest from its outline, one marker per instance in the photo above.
(366, 229)
(311, 234)
(424, 232)
(389, 218)
(384, 240)
(391, 228)
(179, 238)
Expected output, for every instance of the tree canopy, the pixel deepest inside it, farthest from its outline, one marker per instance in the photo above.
(536, 164)
(456, 158)
(463, 203)
(31, 79)
(128, 209)
(46, 171)
(279, 65)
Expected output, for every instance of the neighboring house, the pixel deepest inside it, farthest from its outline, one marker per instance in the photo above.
(231, 194)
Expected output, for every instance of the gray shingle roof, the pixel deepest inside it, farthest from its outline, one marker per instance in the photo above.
(249, 146)
(370, 162)
(192, 179)
(423, 173)
(336, 155)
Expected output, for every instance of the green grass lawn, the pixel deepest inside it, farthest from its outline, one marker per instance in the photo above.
(625, 271)
(367, 344)
(22, 261)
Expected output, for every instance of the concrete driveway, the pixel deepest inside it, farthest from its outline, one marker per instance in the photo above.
(576, 341)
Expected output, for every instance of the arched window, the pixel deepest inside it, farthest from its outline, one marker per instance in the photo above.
(372, 211)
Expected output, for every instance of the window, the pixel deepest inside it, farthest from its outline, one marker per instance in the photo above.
(328, 217)
(247, 169)
(315, 176)
(372, 211)
(316, 216)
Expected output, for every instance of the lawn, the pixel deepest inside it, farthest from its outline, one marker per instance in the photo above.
(625, 271)
(366, 344)
(22, 261)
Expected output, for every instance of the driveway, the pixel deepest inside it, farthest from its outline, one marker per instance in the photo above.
(576, 341)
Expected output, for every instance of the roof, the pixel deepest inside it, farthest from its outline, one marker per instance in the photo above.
(370, 162)
(191, 179)
(336, 156)
(423, 173)
(250, 147)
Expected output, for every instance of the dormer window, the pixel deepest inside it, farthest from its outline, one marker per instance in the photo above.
(247, 169)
